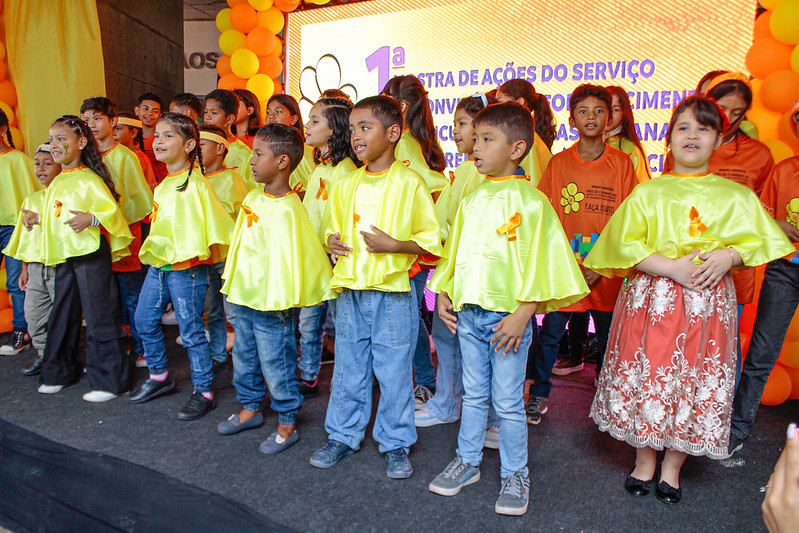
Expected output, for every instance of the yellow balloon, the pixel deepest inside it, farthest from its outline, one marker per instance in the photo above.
(232, 40)
(16, 135)
(244, 63)
(262, 86)
(223, 20)
(260, 5)
(272, 18)
(770, 4)
(785, 21)
(8, 111)
(319, 2)
(779, 149)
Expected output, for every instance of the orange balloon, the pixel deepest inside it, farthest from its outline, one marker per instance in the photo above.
(278, 86)
(230, 82)
(8, 93)
(2, 51)
(223, 65)
(780, 90)
(286, 5)
(780, 151)
(765, 120)
(746, 338)
(747, 322)
(4, 300)
(761, 26)
(278, 51)
(789, 354)
(243, 17)
(787, 130)
(793, 373)
(6, 317)
(768, 55)
(778, 387)
(2, 70)
(261, 41)
(234, 3)
(270, 65)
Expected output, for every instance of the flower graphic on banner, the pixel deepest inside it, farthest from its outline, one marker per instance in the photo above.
(315, 80)
(792, 209)
(571, 198)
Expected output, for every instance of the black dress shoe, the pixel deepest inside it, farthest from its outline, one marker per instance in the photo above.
(35, 368)
(637, 487)
(668, 494)
(150, 389)
(197, 407)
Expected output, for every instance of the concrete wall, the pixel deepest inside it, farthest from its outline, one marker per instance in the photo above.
(142, 49)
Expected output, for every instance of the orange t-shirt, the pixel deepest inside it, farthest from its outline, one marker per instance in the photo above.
(585, 194)
(147, 168)
(247, 139)
(159, 169)
(780, 195)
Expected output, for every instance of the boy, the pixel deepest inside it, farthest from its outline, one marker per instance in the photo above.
(501, 253)
(148, 110)
(135, 200)
(231, 190)
(378, 219)
(585, 184)
(221, 107)
(298, 275)
(186, 104)
(127, 132)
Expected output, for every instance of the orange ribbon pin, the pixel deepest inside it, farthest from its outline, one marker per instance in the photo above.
(510, 226)
(58, 208)
(252, 218)
(322, 192)
(451, 177)
(696, 225)
(155, 211)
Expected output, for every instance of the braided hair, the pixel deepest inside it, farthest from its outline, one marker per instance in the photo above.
(90, 155)
(187, 129)
(4, 124)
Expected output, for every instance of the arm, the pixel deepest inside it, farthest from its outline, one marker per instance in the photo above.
(382, 242)
(790, 230)
(510, 330)
(679, 270)
(22, 281)
(591, 277)
(337, 247)
(80, 221)
(781, 504)
(29, 219)
(444, 307)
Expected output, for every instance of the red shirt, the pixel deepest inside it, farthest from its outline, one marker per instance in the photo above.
(780, 195)
(159, 169)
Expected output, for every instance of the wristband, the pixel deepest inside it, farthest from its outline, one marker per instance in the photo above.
(95, 222)
(732, 255)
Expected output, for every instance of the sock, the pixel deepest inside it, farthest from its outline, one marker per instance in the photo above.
(159, 377)
(208, 395)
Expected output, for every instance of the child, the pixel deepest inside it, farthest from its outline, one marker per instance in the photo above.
(16, 183)
(230, 190)
(248, 118)
(779, 297)
(669, 373)
(522, 92)
(265, 350)
(620, 132)
(501, 250)
(377, 221)
(127, 132)
(186, 104)
(148, 110)
(585, 184)
(284, 109)
(189, 230)
(220, 111)
(445, 406)
(36, 279)
(328, 132)
(80, 200)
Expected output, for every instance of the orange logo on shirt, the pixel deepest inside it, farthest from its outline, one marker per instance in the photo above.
(58, 208)
(571, 198)
(792, 208)
(696, 225)
(322, 192)
(510, 226)
(155, 211)
(252, 218)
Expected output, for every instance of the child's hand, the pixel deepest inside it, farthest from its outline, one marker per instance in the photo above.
(790, 230)
(681, 270)
(29, 219)
(510, 330)
(22, 280)
(380, 242)
(80, 221)
(780, 509)
(445, 313)
(716, 264)
(591, 277)
(336, 246)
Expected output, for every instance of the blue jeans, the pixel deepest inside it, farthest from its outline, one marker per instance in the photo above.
(496, 378)
(186, 290)
(265, 355)
(375, 337)
(330, 320)
(779, 297)
(217, 309)
(446, 404)
(422, 358)
(13, 269)
(130, 284)
(311, 341)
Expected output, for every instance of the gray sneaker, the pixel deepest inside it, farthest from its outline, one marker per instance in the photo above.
(456, 476)
(536, 407)
(514, 495)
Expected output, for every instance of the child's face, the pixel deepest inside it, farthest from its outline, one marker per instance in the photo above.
(493, 154)
(502, 98)
(265, 165)
(692, 143)
(66, 145)
(280, 114)
(317, 130)
(184, 110)
(45, 168)
(243, 114)
(102, 127)
(211, 151)
(149, 111)
(169, 146)
(615, 114)
(463, 132)
(734, 106)
(214, 115)
(125, 135)
(369, 139)
(589, 117)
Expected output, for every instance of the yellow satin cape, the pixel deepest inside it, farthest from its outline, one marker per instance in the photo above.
(80, 189)
(26, 245)
(675, 214)
(638, 158)
(238, 158)
(275, 260)
(536, 160)
(405, 212)
(466, 179)
(17, 181)
(302, 174)
(135, 195)
(316, 194)
(408, 149)
(186, 225)
(230, 189)
(507, 247)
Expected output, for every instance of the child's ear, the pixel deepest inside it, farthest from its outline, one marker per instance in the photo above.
(230, 120)
(113, 122)
(250, 111)
(571, 121)
(393, 133)
(190, 145)
(220, 149)
(295, 119)
(403, 107)
(82, 142)
(283, 162)
(518, 150)
(719, 138)
(136, 110)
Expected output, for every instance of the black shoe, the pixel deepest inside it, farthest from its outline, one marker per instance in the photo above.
(150, 389)
(309, 389)
(20, 341)
(668, 494)
(637, 487)
(35, 368)
(327, 356)
(219, 366)
(197, 407)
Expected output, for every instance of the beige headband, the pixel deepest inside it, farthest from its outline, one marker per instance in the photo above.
(214, 137)
(132, 122)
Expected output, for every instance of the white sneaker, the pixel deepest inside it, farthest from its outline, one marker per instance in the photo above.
(425, 418)
(169, 319)
(420, 396)
(179, 340)
(50, 389)
(99, 396)
(492, 439)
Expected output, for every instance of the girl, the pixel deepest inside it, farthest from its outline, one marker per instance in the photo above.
(189, 230)
(328, 132)
(284, 109)
(669, 372)
(248, 119)
(621, 135)
(80, 200)
(16, 183)
(127, 132)
(522, 92)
